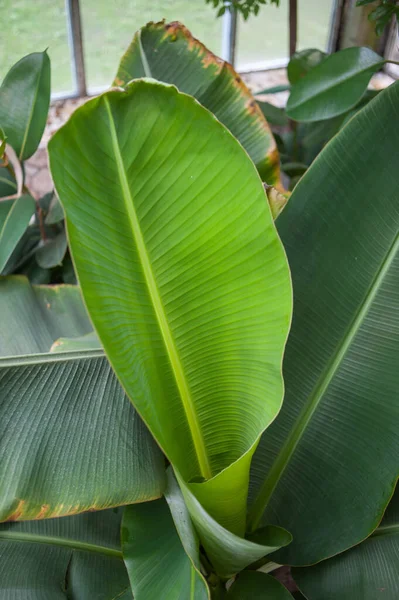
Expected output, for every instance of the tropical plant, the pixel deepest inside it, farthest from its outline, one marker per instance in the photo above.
(324, 93)
(186, 282)
(32, 232)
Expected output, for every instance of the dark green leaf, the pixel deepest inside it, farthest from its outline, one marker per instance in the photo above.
(14, 220)
(68, 271)
(292, 169)
(367, 572)
(55, 212)
(69, 439)
(334, 86)
(24, 102)
(58, 559)
(274, 115)
(7, 183)
(52, 252)
(326, 467)
(161, 549)
(274, 90)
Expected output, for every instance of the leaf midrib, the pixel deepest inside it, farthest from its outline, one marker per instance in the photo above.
(386, 530)
(143, 56)
(297, 431)
(29, 121)
(49, 357)
(174, 358)
(32, 538)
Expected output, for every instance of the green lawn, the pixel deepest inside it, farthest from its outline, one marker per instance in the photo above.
(108, 27)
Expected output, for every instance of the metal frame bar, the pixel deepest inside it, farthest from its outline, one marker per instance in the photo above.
(75, 40)
(228, 51)
(229, 35)
(335, 21)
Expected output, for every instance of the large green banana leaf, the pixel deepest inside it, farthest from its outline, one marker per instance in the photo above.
(327, 466)
(161, 549)
(370, 571)
(183, 275)
(69, 438)
(75, 558)
(34, 316)
(155, 539)
(169, 53)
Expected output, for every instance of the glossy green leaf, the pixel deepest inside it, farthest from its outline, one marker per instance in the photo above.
(334, 86)
(161, 549)
(326, 467)
(367, 572)
(302, 62)
(7, 183)
(184, 277)
(252, 585)
(52, 252)
(169, 53)
(75, 557)
(14, 220)
(273, 114)
(69, 439)
(55, 212)
(276, 89)
(24, 102)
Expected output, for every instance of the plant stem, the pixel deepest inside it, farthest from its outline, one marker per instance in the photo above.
(39, 213)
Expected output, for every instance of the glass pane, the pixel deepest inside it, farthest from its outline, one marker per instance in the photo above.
(263, 40)
(31, 26)
(109, 25)
(314, 24)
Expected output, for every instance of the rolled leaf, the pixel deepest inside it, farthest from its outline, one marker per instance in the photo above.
(168, 52)
(184, 277)
(229, 553)
(333, 450)
(24, 102)
(366, 572)
(73, 557)
(334, 86)
(70, 441)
